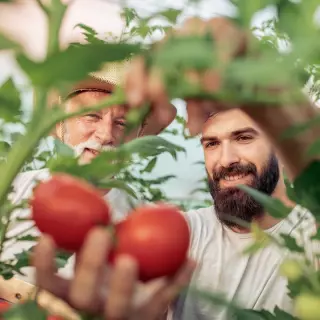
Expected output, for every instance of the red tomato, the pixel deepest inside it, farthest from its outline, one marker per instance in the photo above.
(67, 208)
(158, 237)
(52, 317)
(4, 306)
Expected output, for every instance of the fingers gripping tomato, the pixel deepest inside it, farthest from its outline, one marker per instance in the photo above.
(158, 237)
(67, 208)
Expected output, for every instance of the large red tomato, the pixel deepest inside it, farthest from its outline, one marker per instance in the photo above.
(4, 306)
(54, 317)
(67, 208)
(158, 237)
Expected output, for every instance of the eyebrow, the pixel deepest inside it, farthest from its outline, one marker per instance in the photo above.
(233, 134)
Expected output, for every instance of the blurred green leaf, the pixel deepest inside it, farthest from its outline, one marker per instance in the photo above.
(300, 128)
(317, 235)
(62, 149)
(55, 12)
(171, 14)
(150, 146)
(91, 36)
(255, 247)
(150, 166)
(291, 243)
(10, 102)
(4, 148)
(62, 258)
(247, 9)
(117, 184)
(314, 149)
(129, 14)
(71, 62)
(280, 314)
(29, 310)
(27, 238)
(6, 43)
(186, 53)
(274, 206)
(307, 188)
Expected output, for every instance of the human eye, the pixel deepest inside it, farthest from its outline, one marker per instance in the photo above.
(211, 144)
(120, 123)
(93, 116)
(244, 138)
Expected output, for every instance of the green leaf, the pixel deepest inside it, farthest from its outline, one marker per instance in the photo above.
(307, 188)
(61, 259)
(6, 43)
(55, 13)
(23, 259)
(314, 149)
(6, 270)
(171, 15)
(62, 149)
(27, 238)
(246, 10)
(300, 128)
(86, 28)
(283, 315)
(10, 102)
(291, 243)
(4, 148)
(317, 235)
(117, 184)
(274, 206)
(150, 166)
(71, 62)
(150, 146)
(186, 53)
(129, 14)
(29, 310)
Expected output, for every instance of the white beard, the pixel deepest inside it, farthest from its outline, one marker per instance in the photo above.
(90, 144)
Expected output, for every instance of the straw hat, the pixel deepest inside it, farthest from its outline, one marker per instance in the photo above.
(110, 76)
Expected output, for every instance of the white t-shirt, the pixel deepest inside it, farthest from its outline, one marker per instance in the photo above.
(22, 189)
(251, 280)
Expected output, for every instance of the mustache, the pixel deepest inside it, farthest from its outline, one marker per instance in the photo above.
(91, 144)
(234, 169)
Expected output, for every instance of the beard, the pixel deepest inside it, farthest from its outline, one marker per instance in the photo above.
(234, 203)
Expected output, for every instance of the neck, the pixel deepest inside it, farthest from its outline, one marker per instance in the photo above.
(266, 221)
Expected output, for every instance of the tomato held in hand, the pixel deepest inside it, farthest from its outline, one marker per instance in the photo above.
(52, 317)
(4, 306)
(67, 208)
(158, 237)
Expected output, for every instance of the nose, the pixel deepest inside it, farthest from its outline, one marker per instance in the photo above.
(104, 132)
(228, 155)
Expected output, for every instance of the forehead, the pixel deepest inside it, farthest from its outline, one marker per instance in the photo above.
(90, 98)
(225, 122)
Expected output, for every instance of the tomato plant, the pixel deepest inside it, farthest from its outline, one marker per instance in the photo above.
(67, 208)
(157, 236)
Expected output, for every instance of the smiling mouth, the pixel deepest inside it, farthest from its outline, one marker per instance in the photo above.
(234, 177)
(92, 151)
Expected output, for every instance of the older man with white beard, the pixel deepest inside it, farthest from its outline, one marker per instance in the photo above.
(87, 135)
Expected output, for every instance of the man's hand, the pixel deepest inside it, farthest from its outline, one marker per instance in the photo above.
(146, 85)
(143, 85)
(114, 294)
